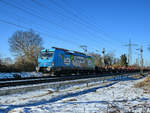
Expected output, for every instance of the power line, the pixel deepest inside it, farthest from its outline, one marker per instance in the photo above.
(10, 23)
(142, 60)
(73, 19)
(93, 39)
(20, 26)
(23, 27)
(33, 14)
(87, 24)
(30, 13)
(130, 45)
(37, 24)
(74, 14)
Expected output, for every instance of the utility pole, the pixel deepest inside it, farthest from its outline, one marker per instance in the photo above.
(84, 47)
(129, 45)
(141, 51)
(103, 57)
(137, 62)
(138, 58)
(142, 60)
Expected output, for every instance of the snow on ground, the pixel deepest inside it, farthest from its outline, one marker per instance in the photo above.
(118, 96)
(22, 74)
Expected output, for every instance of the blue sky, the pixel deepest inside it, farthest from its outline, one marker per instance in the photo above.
(70, 23)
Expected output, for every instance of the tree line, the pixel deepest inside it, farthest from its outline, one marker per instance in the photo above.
(110, 60)
(26, 45)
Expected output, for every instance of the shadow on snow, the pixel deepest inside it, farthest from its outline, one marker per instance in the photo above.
(10, 107)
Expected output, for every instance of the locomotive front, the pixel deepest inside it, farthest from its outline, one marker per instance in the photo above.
(45, 60)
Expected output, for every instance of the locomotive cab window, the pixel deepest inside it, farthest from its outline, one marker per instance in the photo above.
(46, 55)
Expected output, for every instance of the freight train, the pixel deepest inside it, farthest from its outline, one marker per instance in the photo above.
(59, 61)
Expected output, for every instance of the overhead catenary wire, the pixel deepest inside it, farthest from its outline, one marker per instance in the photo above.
(32, 14)
(99, 27)
(76, 17)
(39, 29)
(86, 23)
(40, 17)
(28, 12)
(83, 24)
(87, 28)
(26, 28)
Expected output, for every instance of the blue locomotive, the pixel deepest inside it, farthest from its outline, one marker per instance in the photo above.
(62, 61)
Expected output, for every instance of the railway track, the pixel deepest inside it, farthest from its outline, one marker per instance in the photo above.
(23, 86)
(38, 80)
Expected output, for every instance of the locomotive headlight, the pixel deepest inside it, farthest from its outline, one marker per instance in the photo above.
(52, 63)
(48, 68)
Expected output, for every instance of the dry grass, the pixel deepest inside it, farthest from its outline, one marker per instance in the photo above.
(42, 95)
(70, 100)
(137, 76)
(73, 99)
(145, 84)
(15, 111)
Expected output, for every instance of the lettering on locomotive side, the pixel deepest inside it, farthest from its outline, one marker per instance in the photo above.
(78, 61)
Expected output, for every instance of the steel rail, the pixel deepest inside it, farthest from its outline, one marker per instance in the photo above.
(11, 83)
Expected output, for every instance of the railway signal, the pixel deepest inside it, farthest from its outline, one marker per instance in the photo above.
(142, 60)
(103, 57)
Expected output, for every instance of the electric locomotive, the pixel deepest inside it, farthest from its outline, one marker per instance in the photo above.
(62, 61)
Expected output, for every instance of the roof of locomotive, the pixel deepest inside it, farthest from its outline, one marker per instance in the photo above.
(60, 48)
(66, 50)
(70, 51)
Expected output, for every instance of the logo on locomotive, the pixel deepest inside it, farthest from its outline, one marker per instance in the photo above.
(67, 61)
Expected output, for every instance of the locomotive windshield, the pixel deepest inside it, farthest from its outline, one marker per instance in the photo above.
(46, 55)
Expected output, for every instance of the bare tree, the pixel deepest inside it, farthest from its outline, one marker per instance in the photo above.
(26, 45)
(97, 59)
(109, 58)
(7, 61)
(116, 61)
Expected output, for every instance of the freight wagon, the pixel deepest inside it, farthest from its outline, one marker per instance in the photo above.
(62, 61)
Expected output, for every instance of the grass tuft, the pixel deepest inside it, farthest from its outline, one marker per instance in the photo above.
(145, 84)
